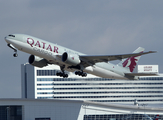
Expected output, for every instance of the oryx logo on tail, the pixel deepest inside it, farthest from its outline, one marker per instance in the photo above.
(131, 63)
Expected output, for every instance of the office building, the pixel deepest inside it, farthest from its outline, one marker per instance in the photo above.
(42, 83)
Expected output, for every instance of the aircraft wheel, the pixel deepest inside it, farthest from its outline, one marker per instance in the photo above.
(77, 73)
(65, 75)
(15, 55)
(84, 74)
(59, 74)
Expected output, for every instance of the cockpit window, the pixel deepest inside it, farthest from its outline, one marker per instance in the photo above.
(11, 35)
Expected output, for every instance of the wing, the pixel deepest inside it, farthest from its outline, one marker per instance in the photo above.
(88, 60)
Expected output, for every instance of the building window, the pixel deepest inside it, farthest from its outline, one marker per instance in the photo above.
(46, 72)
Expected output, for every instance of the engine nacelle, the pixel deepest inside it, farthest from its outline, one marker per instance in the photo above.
(71, 59)
(37, 61)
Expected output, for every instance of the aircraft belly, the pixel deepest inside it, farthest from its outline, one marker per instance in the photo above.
(106, 73)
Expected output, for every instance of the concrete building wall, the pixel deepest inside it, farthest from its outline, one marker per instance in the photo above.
(28, 81)
(75, 110)
(54, 109)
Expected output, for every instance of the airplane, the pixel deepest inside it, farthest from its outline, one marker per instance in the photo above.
(44, 53)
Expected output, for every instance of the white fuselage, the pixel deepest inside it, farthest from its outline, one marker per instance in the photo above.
(52, 53)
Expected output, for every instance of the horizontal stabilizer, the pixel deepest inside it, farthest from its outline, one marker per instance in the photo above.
(141, 74)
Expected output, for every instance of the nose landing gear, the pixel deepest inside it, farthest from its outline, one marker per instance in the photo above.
(15, 50)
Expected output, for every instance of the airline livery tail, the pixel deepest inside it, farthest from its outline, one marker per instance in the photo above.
(130, 63)
(44, 53)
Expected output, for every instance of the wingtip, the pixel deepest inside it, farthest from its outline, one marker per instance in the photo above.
(153, 51)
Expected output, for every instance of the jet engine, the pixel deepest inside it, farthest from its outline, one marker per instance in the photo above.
(37, 61)
(71, 59)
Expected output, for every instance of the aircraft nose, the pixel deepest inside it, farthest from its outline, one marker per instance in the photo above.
(6, 39)
(9, 38)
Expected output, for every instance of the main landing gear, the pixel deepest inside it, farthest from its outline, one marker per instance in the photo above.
(15, 50)
(81, 73)
(62, 74)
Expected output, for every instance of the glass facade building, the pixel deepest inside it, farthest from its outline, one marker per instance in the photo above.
(42, 83)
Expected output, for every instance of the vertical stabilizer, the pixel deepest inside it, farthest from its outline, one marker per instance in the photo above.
(130, 63)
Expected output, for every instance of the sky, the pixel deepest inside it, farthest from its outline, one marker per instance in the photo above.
(95, 27)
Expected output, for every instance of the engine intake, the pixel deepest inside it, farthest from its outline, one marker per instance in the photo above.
(71, 59)
(37, 61)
